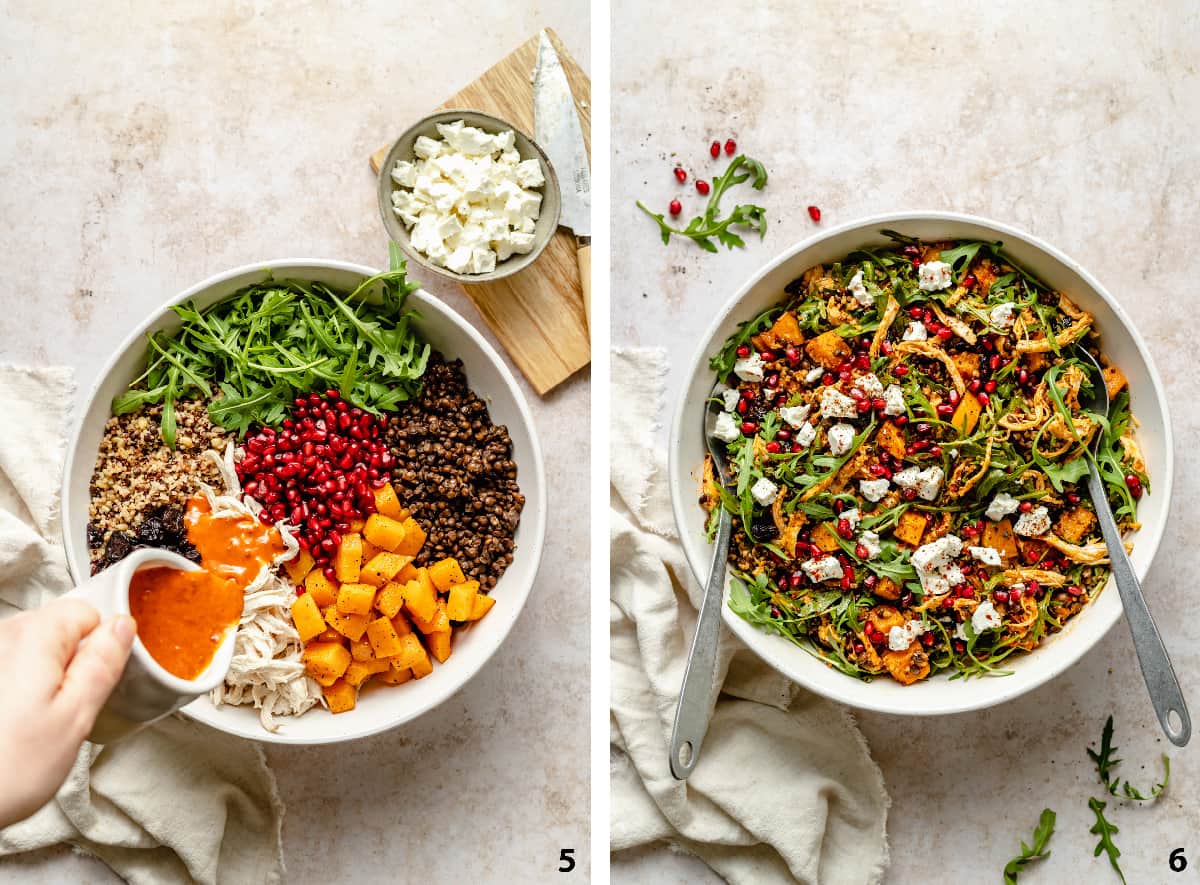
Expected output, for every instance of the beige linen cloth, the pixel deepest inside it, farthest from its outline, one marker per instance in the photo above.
(785, 789)
(178, 802)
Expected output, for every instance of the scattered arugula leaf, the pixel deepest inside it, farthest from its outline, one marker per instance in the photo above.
(703, 228)
(1105, 830)
(1105, 764)
(1041, 836)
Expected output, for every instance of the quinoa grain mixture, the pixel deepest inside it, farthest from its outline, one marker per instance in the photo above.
(137, 476)
(454, 470)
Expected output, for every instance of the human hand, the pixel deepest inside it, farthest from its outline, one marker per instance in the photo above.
(51, 689)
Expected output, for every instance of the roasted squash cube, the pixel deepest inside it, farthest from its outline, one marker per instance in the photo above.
(419, 600)
(411, 652)
(355, 599)
(382, 568)
(350, 626)
(388, 504)
(911, 527)
(392, 676)
(341, 696)
(966, 416)
(439, 646)
(438, 623)
(390, 599)
(825, 538)
(331, 635)
(414, 538)
(422, 667)
(482, 605)
(349, 559)
(307, 618)
(382, 636)
(445, 573)
(370, 551)
(299, 566)
(360, 671)
(383, 531)
(360, 650)
(325, 661)
(322, 590)
(828, 350)
(886, 588)
(401, 624)
(1114, 380)
(1075, 525)
(461, 600)
(999, 535)
(890, 438)
(406, 574)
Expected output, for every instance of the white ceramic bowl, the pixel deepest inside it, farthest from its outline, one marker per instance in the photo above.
(378, 708)
(937, 695)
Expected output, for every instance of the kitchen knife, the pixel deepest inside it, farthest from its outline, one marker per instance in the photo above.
(556, 129)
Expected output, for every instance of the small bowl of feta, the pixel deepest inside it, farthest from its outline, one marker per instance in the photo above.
(468, 196)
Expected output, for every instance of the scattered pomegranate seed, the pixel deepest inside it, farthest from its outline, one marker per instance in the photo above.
(774, 448)
(927, 639)
(945, 333)
(844, 530)
(859, 648)
(990, 387)
(715, 149)
(730, 147)
(969, 281)
(839, 504)
(796, 447)
(743, 351)
(766, 356)
(749, 427)
(676, 207)
(916, 312)
(1015, 593)
(828, 379)
(984, 399)
(945, 410)
(772, 380)
(900, 371)
(743, 406)
(1025, 506)
(814, 213)
(702, 186)
(1075, 590)
(1132, 481)
(793, 356)
(953, 397)
(861, 551)
(680, 174)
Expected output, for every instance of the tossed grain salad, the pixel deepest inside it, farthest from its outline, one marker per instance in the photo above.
(908, 446)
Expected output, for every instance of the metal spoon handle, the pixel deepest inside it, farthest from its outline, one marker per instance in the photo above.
(694, 710)
(1161, 683)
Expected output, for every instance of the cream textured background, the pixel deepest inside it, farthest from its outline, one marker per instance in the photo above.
(145, 146)
(1073, 120)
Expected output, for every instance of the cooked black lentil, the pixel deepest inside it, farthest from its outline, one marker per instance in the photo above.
(454, 471)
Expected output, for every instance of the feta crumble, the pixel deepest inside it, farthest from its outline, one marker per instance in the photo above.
(985, 617)
(916, 331)
(852, 516)
(870, 541)
(750, 369)
(869, 384)
(726, 429)
(804, 436)
(929, 482)
(856, 288)
(1002, 315)
(874, 489)
(1034, 523)
(1002, 505)
(795, 415)
(841, 438)
(986, 555)
(814, 375)
(825, 569)
(900, 638)
(730, 398)
(893, 400)
(764, 492)
(934, 276)
(835, 404)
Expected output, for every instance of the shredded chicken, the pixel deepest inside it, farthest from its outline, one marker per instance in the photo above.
(266, 670)
(1023, 575)
(961, 329)
(885, 322)
(1088, 554)
(935, 352)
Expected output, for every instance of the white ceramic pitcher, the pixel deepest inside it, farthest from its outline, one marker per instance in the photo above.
(146, 692)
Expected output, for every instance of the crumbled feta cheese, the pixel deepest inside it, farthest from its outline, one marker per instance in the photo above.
(529, 174)
(930, 482)
(935, 275)
(841, 438)
(1002, 315)
(426, 148)
(953, 575)
(1034, 523)
(749, 369)
(870, 541)
(795, 415)
(730, 397)
(804, 436)
(764, 492)
(960, 631)
(870, 385)
(824, 569)
(814, 375)
(908, 478)
(900, 638)
(893, 400)
(835, 404)
(1002, 505)
(852, 516)
(874, 489)
(856, 288)
(936, 555)
(986, 555)
(985, 617)
(916, 331)
(405, 174)
(726, 428)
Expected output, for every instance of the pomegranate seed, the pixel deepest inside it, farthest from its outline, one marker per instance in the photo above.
(878, 404)
(702, 186)
(680, 175)
(766, 356)
(828, 379)
(870, 581)
(796, 447)
(1025, 506)
(868, 629)
(945, 333)
(859, 648)
(876, 469)
(886, 347)
(730, 147)
(675, 207)
(1001, 595)
(969, 281)
(772, 380)
(945, 410)
(1132, 481)
(994, 362)
(715, 149)
(1014, 593)
(774, 448)
(814, 213)
(900, 371)
(743, 351)
(927, 639)
(749, 427)
(1073, 498)
(861, 551)
(936, 451)
(990, 387)
(1034, 588)
(743, 406)
(900, 420)
(953, 397)
(909, 494)
(916, 312)
(329, 573)
(974, 386)
(847, 580)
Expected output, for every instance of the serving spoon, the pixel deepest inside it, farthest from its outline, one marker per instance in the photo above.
(694, 709)
(1161, 682)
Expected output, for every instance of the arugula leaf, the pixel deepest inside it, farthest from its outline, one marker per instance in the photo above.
(722, 363)
(960, 257)
(702, 228)
(1105, 764)
(1041, 836)
(1105, 830)
(1072, 471)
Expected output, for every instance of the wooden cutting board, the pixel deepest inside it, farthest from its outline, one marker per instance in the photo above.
(538, 313)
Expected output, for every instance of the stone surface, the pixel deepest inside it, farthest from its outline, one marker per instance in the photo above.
(1071, 120)
(144, 150)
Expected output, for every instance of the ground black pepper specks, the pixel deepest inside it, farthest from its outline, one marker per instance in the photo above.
(454, 471)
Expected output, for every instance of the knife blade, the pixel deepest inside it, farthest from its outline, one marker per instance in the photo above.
(556, 129)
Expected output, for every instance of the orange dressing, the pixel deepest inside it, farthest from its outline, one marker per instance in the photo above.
(183, 617)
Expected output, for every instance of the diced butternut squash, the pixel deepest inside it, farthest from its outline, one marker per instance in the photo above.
(967, 364)
(439, 646)
(370, 551)
(461, 600)
(907, 666)
(445, 573)
(401, 624)
(390, 599)
(356, 525)
(326, 661)
(383, 531)
(307, 618)
(422, 668)
(438, 623)
(824, 537)
(392, 676)
(406, 574)
(360, 671)
(382, 568)
(360, 650)
(331, 635)
(350, 626)
(414, 538)
(388, 504)
(999, 535)
(411, 652)
(785, 331)
(341, 696)
(910, 527)
(828, 350)
(891, 439)
(966, 416)
(482, 605)
(1114, 380)
(420, 600)
(299, 566)
(382, 636)
(349, 559)
(886, 588)
(322, 590)
(355, 599)
(1075, 525)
